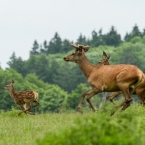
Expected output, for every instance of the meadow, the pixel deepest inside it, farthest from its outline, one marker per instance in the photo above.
(91, 128)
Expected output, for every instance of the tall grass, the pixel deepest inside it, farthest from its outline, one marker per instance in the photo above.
(26, 129)
(126, 128)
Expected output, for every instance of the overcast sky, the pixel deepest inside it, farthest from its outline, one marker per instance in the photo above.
(23, 21)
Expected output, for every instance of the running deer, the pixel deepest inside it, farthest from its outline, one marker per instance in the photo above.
(23, 98)
(139, 91)
(106, 78)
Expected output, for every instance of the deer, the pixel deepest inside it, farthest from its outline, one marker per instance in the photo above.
(106, 78)
(139, 91)
(105, 60)
(23, 98)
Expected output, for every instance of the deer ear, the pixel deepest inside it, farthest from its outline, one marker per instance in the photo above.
(12, 81)
(104, 54)
(109, 57)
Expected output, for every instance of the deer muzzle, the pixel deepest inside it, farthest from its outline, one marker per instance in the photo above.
(66, 59)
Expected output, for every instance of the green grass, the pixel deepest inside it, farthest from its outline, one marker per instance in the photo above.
(74, 128)
(25, 130)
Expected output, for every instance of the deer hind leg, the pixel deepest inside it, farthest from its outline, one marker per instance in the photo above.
(110, 96)
(36, 104)
(126, 103)
(113, 95)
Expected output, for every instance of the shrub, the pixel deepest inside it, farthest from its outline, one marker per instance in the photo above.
(101, 129)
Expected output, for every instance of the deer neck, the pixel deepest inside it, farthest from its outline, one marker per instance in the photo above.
(86, 66)
(12, 93)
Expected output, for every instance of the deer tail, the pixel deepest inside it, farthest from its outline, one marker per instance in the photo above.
(35, 95)
(140, 80)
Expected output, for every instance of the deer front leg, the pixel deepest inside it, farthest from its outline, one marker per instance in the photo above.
(29, 107)
(90, 94)
(26, 110)
(81, 101)
(23, 108)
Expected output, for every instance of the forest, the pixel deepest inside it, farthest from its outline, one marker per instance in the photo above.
(60, 84)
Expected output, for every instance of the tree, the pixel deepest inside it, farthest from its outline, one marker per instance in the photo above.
(143, 33)
(127, 37)
(55, 44)
(17, 64)
(82, 40)
(53, 99)
(35, 48)
(112, 38)
(95, 39)
(44, 48)
(135, 32)
(65, 46)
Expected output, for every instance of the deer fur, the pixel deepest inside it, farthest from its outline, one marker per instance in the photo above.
(23, 98)
(106, 78)
(139, 91)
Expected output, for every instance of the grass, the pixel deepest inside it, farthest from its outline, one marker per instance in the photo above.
(29, 130)
(20, 130)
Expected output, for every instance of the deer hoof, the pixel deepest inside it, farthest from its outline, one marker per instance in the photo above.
(80, 111)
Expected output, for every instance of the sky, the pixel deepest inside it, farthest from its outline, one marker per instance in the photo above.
(23, 21)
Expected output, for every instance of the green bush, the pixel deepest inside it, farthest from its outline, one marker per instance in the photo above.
(100, 129)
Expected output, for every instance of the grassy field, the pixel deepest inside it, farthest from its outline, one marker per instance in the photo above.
(74, 128)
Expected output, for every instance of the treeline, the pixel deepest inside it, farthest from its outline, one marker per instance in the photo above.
(112, 38)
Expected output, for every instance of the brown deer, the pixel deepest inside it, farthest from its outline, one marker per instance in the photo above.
(23, 98)
(139, 91)
(106, 78)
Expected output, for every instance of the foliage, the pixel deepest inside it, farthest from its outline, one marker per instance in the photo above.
(112, 38)
(52, 99)
(101, 129)
(124, 128)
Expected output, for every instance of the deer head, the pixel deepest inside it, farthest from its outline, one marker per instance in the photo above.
(105, 60)
(75, 56)
(9, 85)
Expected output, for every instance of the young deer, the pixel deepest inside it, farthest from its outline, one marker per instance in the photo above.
(23, 98)
(139, 91)
(106, 78)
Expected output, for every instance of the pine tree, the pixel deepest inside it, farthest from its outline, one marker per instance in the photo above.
(35, 48)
